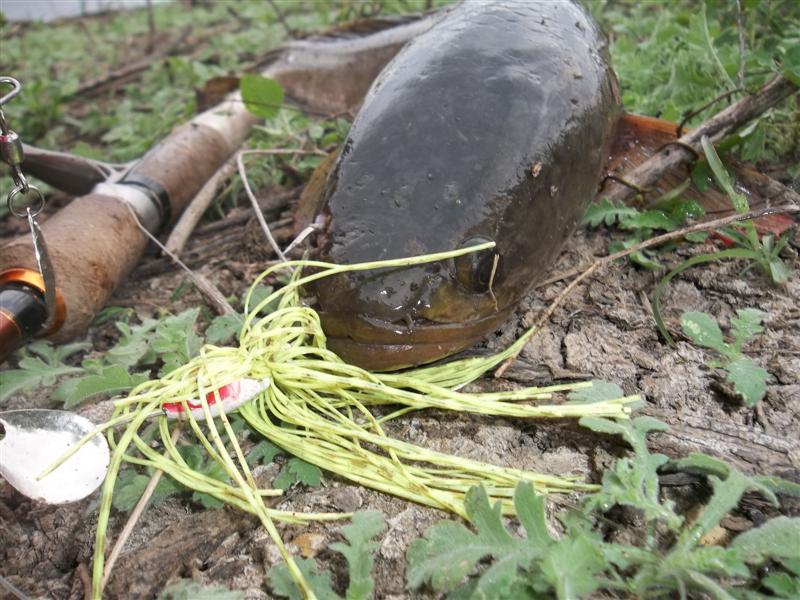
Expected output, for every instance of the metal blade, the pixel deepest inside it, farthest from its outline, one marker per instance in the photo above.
(32, 440)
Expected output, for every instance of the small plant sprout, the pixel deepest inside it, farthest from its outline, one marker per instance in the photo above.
(763, 253)
(748, 379)
(669, 559)
(668, 214)
(358, 551)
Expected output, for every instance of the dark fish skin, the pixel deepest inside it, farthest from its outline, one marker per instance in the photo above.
(493, 125)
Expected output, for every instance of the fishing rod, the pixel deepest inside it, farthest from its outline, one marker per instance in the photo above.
(53, 289)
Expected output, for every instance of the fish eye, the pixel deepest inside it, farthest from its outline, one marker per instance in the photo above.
(477, 271)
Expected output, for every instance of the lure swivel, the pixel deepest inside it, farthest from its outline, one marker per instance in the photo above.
(29, 302)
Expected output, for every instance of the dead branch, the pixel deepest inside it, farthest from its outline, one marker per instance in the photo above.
(661, 239)
(151, 27)
(748, 449)
(136, 513)
(290, 33)
(220, 242)
(772, 191)
(271, 205)
(197, 207)
(99, 85)
(209, 291)
(716, 128)
(142, 572)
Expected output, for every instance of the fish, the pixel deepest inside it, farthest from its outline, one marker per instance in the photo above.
(494, 125)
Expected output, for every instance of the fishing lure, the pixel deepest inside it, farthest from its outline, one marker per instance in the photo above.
(298, 394)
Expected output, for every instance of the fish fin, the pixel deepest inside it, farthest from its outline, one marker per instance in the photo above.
(330, 74)
(73, 174)
(312, 198)
(639, 137)
(368, 26)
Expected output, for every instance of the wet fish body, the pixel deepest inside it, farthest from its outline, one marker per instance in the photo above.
(493, 125)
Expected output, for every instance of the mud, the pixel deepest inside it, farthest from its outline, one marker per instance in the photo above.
(604, 329)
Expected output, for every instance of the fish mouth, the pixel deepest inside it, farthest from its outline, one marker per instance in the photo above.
(381, 345)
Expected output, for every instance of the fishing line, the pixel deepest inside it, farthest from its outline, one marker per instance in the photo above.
(318, 408)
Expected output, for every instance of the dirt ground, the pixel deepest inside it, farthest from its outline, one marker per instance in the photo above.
(605, 330)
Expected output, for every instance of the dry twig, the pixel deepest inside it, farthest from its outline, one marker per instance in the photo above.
(99, 85)
(587, 270)
(133, 519)
(740, 29)
(197, 207)
(254, 201)
(203, 285)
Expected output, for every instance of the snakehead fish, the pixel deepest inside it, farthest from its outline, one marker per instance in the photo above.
(493, 125)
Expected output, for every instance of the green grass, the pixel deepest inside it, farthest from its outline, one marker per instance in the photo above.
(672, 58)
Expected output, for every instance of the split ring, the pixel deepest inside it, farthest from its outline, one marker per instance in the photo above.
(20, 209)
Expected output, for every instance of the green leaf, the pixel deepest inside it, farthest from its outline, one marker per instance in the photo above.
(711, 560)
(316, 131)
(778, 539)
(175, 340)
(358, 552)
(39, 371)
(572, 566)
(224, 328)
(113, 313)
(641, 259)
(703, 330)
(603, 425)
(110, 381)
(186, 589)
(216, 471)
(193, 455)
(446, 554)
(131, 485)
(778, 271)
(783, 585)
(697, 237)
(701, 464)
(606, 212)
(792, 565)
(701, 176)
(262, 96)
(722, 177)
(746, 325)
(449, 551)
(680, 209)
(260, 293)
(791, 64)
(262, 453)
(652, 219)
(531, 514)
(727, 493)
(779, 485)
(600, 391)
(632, 431)
(55, 353)
(634, 483)
(283, 585)
(748, 379)
(298, 471)
(133, 347)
